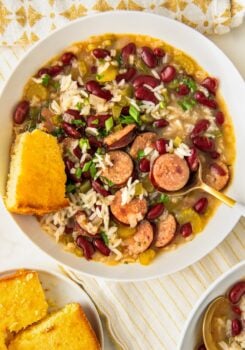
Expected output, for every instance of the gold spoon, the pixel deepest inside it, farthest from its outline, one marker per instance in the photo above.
(199, 184)
(211, 331)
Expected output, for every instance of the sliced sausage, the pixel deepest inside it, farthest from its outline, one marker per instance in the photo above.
(118, 135)
(86, 226)
(170, 172)
(121, 170)
(141, 240)
(130, 213)
(123, 142)
(217, 176)
(142, 141)
(166, 229)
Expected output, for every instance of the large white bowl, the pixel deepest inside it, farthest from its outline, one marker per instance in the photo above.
(210, 58)
(190, 335)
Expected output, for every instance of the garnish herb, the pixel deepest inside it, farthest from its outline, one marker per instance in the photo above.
(109, 123)
(187, 103)
(105, 238)
(84, 143)
(78, 122)
(78, 172)
(190, 83)
(57, 132)
(140, 154)
(107, 181)
(70, 188)
(129, 120)
(164, 198)
(86, 166)
(45, 80)
(95, 122)
(93, 170)
(133, 112)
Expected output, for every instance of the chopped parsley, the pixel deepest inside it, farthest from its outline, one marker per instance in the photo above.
(105, 238)
(46, 79)
(140, 154)
(187, 103)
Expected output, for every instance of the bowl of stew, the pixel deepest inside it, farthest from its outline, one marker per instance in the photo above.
(225, 319)
(135, 110)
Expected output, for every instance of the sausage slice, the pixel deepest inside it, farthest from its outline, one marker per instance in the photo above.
(142, 141)
(170, 172)
(87, 227)
(141, 240)
(130, 213)
(121, 170)
(166, 229)
(218, 175)
(118, 135)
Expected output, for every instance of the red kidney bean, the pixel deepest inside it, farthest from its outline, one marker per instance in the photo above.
(55, 70)
(43, 71)
(202, 347)
(21, 111)
(200, 126)
(148, 57)
(214, 155)
(92, 85)
(68, 164)
(155, 211)
(186, 229)
(74, 112)
(236, 327)
(77, 152)
(160, 123)
(158, 52)
(211, 84)
(236, 292)
(201, 205)
(71, 131)
(218, 169)
(142, 93)
(68, 230)
(95, 88)
(160, 146)
(144, 165)
(94, 142)
(99, 188)
(100, 245)
(146, 79)
(219, 118)
(67, 57)
(105, 94)
(193, 160)
(168, 73)
(203, 100)
(204, 143)
(183, 90)
(125, 110)
(236, 310)
(97, 121)
(100, 53)
(87, 247)
(127, 76)
(129, 49)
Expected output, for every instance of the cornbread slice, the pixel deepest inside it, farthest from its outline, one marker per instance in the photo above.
(67, 329)
(36, 183)
(22, 301)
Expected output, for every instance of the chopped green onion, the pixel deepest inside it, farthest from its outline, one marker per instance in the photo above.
(187, 104)
(190, 83)
(105, 238)
(116, 111)
(84, 143)
(95, 122)
(93, 170)
(134, 113)
(109, 124)
(86, 166)
(55, 84)
(98, 76)
(129, 120)
(107, 181)
(57, 132)
(85, 186)
(78, 172)
(79, 106)
(140, 154)
(46, 79)
(162, 104)
(173, 84)
(70, 188)
(78, 122)
(164, 198)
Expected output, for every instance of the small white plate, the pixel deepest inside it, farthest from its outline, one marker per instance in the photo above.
(190, 335)
(60, 290)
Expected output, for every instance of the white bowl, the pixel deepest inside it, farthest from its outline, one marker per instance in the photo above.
(192, 330)
(210, 58)
(60, 290)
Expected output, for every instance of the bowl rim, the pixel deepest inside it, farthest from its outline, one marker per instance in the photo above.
(202, 300)
(189, 261)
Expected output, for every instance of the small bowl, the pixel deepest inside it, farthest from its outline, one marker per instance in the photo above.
(191, 334)
(209, 57)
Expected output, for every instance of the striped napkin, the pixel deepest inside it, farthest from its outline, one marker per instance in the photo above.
(150, 315)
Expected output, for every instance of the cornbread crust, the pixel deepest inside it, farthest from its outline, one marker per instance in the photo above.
(36, 183)
(67, 329)
(22, 302)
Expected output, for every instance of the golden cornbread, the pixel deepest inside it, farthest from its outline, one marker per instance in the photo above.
(67, 329)
(36, 183)
(22, 301)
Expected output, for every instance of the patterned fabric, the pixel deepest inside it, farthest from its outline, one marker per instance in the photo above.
(23, 22)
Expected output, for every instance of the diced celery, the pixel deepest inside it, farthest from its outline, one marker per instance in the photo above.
(146, 118)
(117, 127)
(139, 189)
(127, 92)
(177, 141)
(148, 185)
(116, 111)
(85, 186)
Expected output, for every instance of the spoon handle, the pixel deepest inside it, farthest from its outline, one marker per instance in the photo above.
(221, 196)
(240, 207)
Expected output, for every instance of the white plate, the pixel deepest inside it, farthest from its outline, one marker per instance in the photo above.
(190, 335)
(209, 57)
(60, 290)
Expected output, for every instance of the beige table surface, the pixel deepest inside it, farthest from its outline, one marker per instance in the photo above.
(17, 251)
